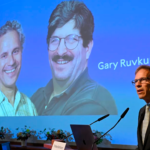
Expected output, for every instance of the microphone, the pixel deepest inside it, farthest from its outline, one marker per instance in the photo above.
(101, 118)
(122, 116)
(124, 113)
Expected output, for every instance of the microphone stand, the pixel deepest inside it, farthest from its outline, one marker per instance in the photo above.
(122, 116)
(105, 133)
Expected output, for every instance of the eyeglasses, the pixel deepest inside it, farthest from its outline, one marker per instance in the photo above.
(71, 42)
(142, 80)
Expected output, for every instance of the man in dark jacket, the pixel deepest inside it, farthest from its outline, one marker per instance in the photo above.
(71, 91)
(142, 85)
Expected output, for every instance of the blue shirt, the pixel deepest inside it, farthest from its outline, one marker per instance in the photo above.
(22, 106)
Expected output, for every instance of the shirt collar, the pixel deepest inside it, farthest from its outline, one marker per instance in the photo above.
(17, 97)
(148, 104)
(73, 87)
(2, 96)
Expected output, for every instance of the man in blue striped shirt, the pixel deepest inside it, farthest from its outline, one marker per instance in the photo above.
(12, 102)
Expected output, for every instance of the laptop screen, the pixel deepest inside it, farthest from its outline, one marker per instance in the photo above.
(83, 137)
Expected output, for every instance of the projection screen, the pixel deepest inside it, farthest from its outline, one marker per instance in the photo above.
(65, 62)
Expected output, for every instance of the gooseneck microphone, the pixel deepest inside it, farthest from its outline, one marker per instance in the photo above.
(124, 113)
(122, 116)
(101, 118)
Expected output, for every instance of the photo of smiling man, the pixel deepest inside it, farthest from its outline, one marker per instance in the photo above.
(71, 91)
(12, 102)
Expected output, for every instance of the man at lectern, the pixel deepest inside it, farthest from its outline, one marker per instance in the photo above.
(71, 91)
(142, 85)
(12, 102)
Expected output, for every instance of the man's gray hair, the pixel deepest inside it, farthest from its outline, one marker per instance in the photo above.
(10, 26)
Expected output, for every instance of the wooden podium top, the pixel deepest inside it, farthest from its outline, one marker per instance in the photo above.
(41, 146)
(28, 147)
(18, 147)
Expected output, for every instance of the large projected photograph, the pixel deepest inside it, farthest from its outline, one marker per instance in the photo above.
(71, 91)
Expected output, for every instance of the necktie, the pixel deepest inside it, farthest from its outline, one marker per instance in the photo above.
(145, 123)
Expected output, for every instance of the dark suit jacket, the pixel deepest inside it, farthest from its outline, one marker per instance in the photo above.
(146, 145)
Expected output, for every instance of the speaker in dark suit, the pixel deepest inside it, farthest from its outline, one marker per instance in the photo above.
(142, 85)
(146, 144)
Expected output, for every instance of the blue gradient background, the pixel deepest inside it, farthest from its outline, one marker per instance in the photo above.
(122, 31)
